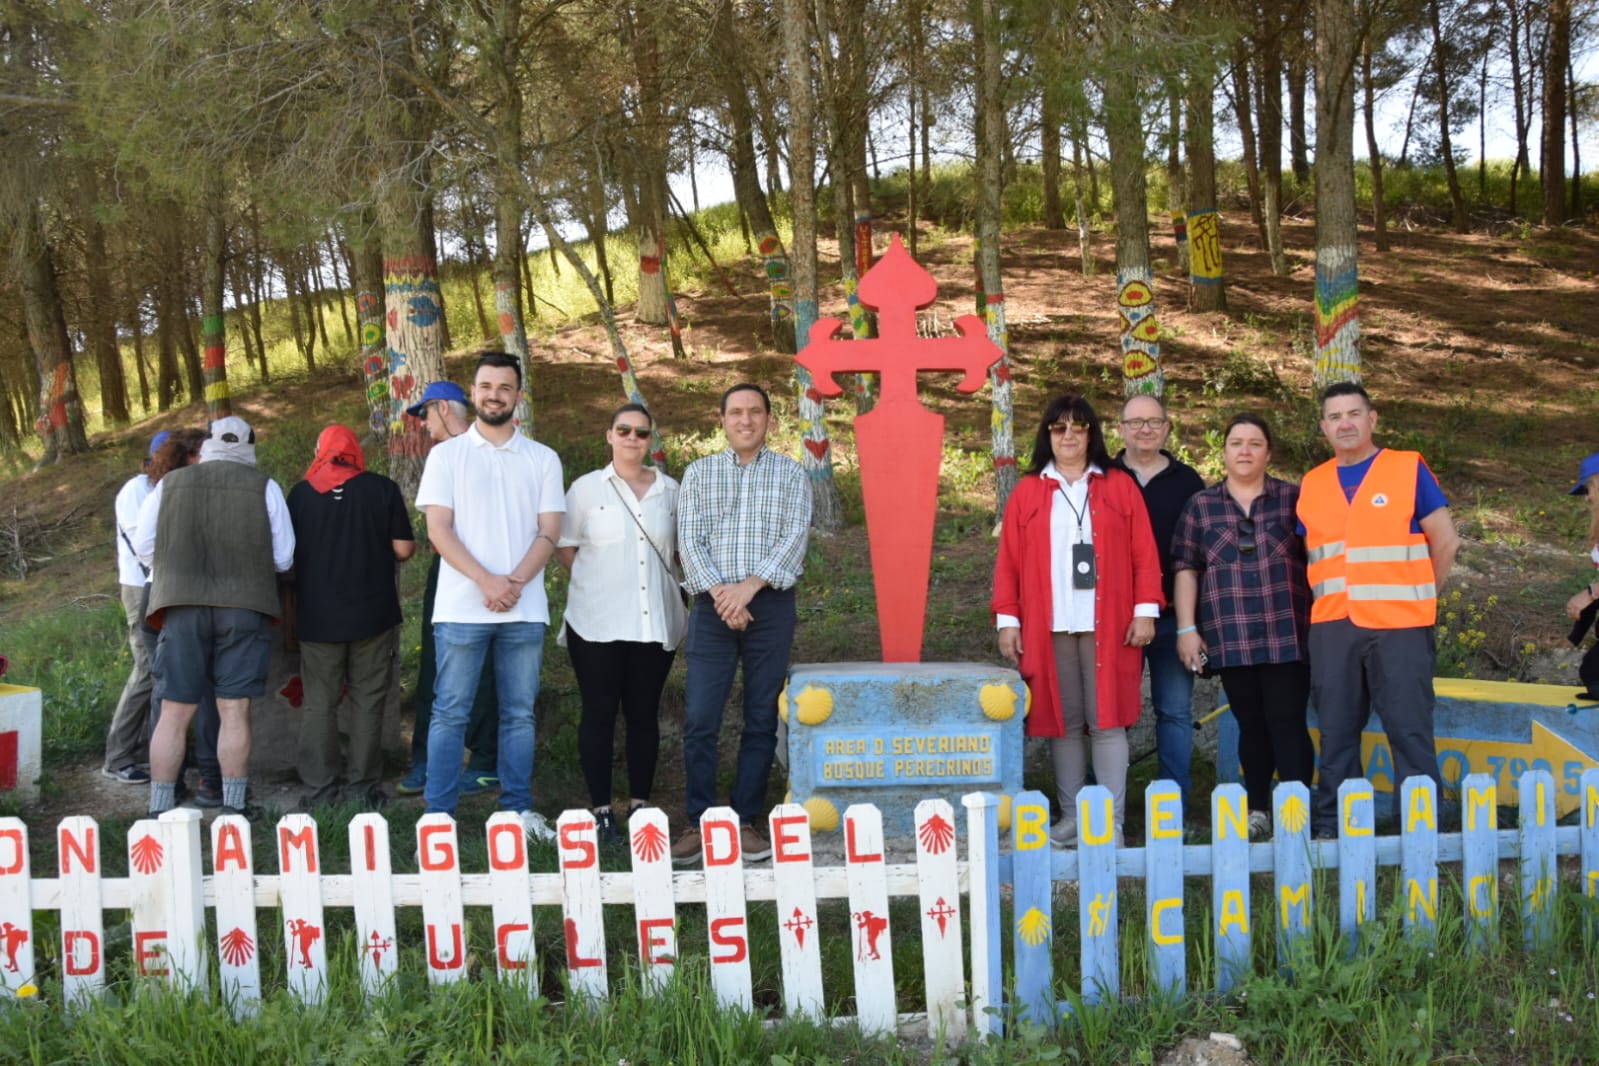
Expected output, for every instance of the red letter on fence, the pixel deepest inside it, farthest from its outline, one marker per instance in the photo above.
(649, 940)
(70, 940)
(502, 937)
(14, 836)
(574, 961)
(142, 953)
(369, 839)
(727, 832)
(850, 854)
(576, 854)
(230, 851)
(457, 957)
(783, 841)
(305, 840)
(70, 845)
(736, 940)
(517, 858)
(436, 855)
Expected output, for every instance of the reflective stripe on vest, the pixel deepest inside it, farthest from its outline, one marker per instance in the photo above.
(1394, 592)
(1324, 588)
(1403, 553)
(1324, 551)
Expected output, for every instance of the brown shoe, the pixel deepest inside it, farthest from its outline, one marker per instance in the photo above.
(754, 846)
(686, 850)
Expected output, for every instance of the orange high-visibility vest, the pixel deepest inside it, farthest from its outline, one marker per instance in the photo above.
(1365, 564)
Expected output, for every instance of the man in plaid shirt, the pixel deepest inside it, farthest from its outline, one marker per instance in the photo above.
(743, 523)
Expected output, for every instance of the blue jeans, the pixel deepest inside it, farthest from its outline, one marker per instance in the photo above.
(714, 652)
(460, 648)
(1171, 690)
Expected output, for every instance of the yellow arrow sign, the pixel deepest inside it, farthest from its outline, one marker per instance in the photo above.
(1503, 760)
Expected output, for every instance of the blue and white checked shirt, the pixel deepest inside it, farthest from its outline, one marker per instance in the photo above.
(734, 521)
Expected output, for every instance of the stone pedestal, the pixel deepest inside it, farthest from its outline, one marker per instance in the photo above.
(893, 734)
(21, 741)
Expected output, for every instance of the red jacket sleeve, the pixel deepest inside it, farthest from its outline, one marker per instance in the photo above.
(1008, 567)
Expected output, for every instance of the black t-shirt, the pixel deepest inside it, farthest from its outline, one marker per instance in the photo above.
(1164, 497)
(344, 557)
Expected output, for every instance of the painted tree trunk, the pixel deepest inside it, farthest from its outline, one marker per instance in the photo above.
(367, 281)
(650, 151)
(413, 329)
(1135, 281)
(827, 511)
(60, 423)
(1337, 277)
(990, 134)
(213, 328)
(1205, 272)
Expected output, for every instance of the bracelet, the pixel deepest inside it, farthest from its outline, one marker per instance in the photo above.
(546, 536)
(1186, 629)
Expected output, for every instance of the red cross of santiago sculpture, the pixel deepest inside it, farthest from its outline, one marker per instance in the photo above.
(900, 442)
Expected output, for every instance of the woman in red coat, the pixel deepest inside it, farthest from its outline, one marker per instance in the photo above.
(1076, 594)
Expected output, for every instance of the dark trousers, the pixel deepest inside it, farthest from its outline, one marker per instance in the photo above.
(1268, 701)
(483, 726)
(1355, 671)
(630, 675)
(207, 722)
(714, 653)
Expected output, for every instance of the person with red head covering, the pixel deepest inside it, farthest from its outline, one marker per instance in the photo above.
(351, 527)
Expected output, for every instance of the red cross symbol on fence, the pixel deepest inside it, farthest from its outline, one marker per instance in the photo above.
(941, 913)
(798, 924)
(899, 442)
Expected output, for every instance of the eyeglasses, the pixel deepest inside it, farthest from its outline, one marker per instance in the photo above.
(1246, 536)
(1060, 429)
(623, 430)
(1143, 423)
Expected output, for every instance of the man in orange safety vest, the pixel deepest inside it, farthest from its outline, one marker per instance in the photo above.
(1379, 541)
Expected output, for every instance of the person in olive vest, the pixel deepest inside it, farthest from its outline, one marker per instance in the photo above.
(215, 535)
(1379, 541)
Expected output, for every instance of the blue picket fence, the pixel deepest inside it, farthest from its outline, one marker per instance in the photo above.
(1292, 857)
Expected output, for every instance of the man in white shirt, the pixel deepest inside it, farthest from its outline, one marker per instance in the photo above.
(494, 501)
(127, 742)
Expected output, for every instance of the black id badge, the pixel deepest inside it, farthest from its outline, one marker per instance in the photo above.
(1082, 566)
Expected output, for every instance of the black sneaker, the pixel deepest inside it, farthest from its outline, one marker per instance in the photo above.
(208, 795)
(605, 826)
(249, 812)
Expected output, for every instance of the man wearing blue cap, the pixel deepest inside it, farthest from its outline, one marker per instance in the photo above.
(443, 409)
(127, 749)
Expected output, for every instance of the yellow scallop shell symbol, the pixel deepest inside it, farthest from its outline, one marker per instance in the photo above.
(782, 704)
(824, 816)
(1004, 814)
(813, 706)
(998, 702)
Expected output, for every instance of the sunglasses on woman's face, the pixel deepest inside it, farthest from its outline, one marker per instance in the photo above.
(623, 430)
(1246, 535)
(1060, 429)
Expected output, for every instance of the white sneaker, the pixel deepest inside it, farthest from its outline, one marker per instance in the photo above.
(535, 827)
(1259, 825)
(1063, 834)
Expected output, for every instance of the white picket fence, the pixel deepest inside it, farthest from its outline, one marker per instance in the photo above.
(167, 892)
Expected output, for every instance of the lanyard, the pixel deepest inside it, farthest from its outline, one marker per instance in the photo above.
(1080, 516)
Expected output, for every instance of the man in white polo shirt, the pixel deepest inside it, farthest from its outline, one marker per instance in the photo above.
(494, 501)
